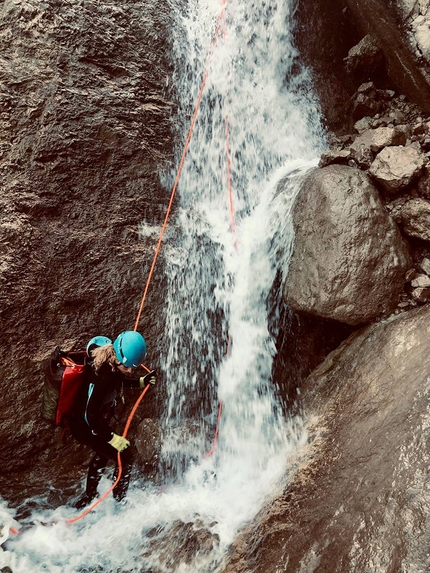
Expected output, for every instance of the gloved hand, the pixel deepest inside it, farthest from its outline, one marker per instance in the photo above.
(149, 378)
(119, 443)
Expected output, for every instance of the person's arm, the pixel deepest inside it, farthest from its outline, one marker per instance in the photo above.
(141, 381)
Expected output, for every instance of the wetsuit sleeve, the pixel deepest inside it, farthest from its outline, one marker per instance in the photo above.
(131, 381)
(94, 412)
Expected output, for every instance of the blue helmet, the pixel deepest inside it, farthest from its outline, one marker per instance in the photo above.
(130, 348)
(97, 341)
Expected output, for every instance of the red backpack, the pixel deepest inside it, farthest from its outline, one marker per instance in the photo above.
(64, 376)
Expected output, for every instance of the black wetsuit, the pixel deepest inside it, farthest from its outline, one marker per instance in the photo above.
(90, 426)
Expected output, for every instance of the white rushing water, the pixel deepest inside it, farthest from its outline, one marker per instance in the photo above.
(220, 276)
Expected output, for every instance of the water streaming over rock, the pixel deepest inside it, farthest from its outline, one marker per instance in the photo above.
(220, 272)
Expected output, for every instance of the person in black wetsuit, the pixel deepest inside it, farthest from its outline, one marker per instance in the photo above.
(110, 366)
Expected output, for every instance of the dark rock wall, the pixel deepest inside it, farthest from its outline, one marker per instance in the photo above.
(326, 31)
(302, 344)
(85, 131)
(382, 20)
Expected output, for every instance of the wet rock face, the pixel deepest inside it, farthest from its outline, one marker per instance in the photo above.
(85, 130)
(181, 544)
(302, 344)
(148, 440)
(349, 258)
(360, 492)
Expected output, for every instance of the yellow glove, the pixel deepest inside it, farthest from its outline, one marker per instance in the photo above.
(119, 443)
(149, 378)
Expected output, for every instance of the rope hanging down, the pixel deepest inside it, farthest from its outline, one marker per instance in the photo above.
(181, 163)
(157, 250)
(230, 193)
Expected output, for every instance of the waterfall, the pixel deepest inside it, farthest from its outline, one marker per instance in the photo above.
(220, 272)
(220, 267)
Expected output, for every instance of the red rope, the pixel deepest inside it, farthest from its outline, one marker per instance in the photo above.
(233, 229)
(230, 193)
(214, 445)
(181, 163)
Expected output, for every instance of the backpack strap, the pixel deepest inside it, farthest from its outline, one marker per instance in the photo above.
(66, 361)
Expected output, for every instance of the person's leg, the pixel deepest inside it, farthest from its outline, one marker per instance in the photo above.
(120, 490)
(97, 465)
(104, 452)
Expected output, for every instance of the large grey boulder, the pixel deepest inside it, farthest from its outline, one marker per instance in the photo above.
(364, 147)
(375, 139)
(365, 57)
(359, 499)
(349, 258)
(370, 142)
(365, 101)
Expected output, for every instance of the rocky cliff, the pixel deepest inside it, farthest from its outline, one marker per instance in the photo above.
(85, 132)
(348, 42)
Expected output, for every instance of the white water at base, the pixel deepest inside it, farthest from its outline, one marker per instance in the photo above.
(216, 292)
